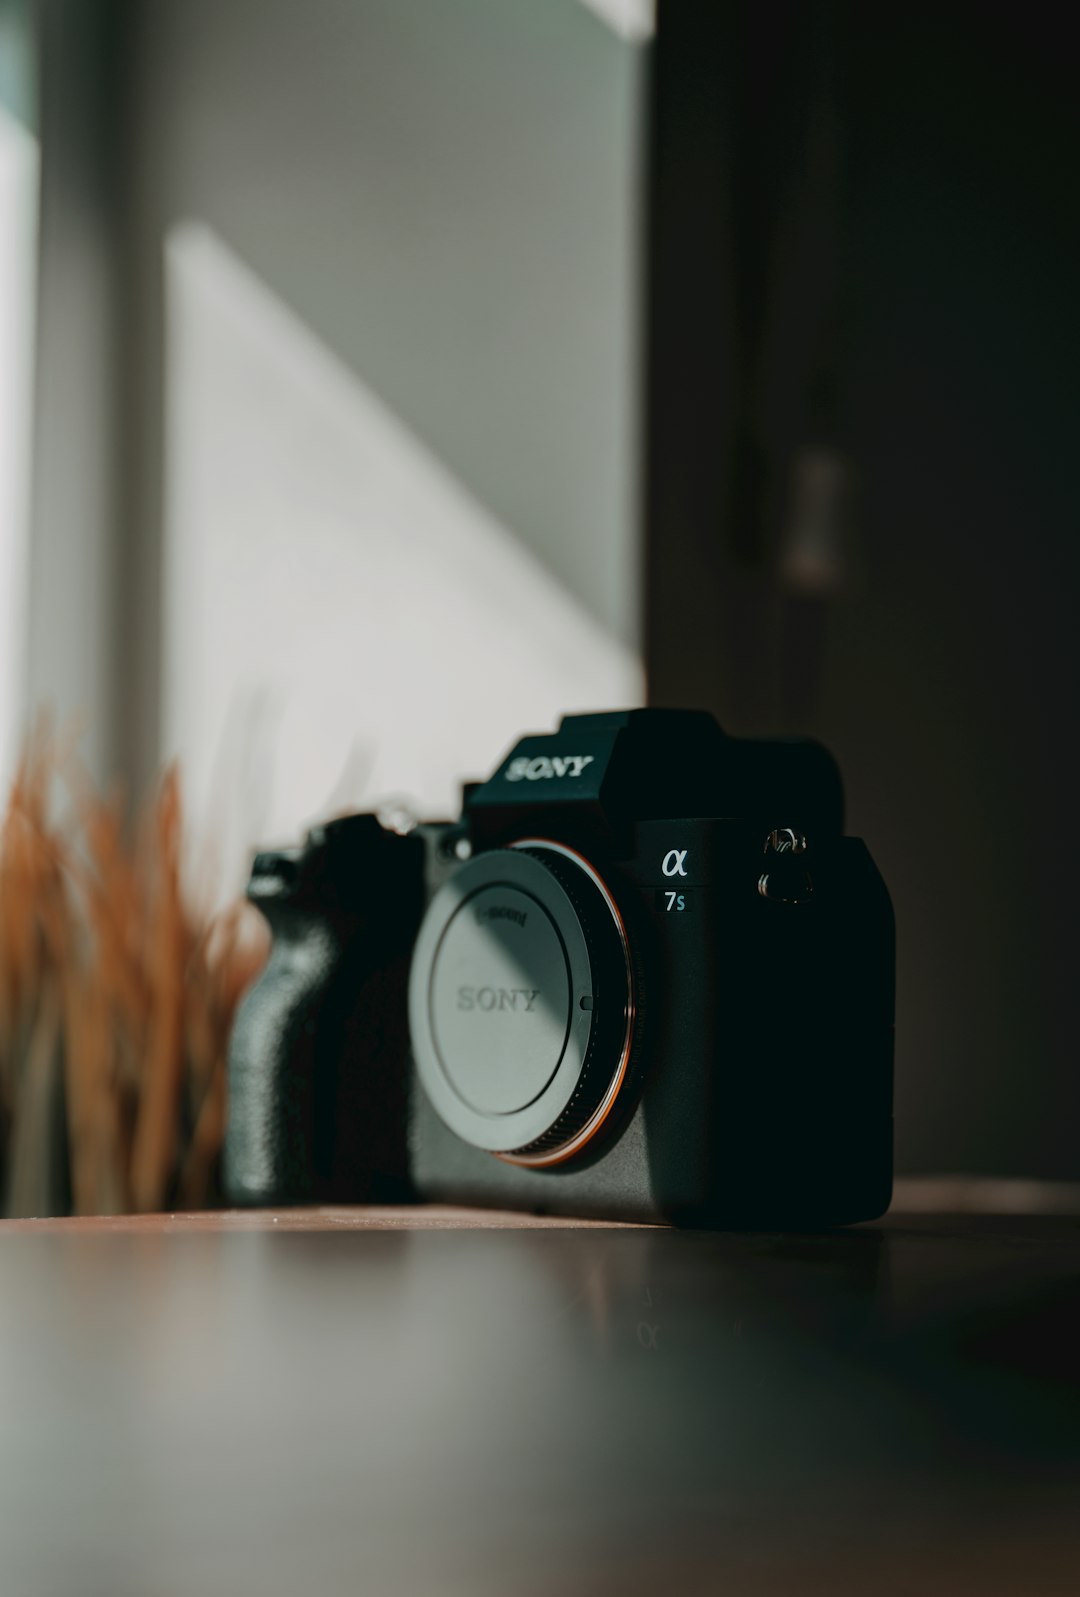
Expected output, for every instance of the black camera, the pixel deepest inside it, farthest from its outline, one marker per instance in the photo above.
(650, 978)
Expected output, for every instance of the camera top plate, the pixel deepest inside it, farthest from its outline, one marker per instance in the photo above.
(597, 775)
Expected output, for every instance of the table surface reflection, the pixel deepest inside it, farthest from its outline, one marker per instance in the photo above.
(424, 1401)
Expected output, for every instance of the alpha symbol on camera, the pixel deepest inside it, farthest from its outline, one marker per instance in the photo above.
(674, 862)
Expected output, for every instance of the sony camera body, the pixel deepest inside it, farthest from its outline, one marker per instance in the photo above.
(645, 977)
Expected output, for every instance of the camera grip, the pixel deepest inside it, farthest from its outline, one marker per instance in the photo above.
(317, 1059)
(280, 1056)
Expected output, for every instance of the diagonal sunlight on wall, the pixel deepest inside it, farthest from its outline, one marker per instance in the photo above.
(18, 254)
(342, 620)
(632, 19)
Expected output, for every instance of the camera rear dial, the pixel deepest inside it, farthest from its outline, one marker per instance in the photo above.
(522, 1003)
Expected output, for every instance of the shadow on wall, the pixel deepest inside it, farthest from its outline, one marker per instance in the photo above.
(342, 618)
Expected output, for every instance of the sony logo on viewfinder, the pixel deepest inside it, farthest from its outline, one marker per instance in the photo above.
(543, 765)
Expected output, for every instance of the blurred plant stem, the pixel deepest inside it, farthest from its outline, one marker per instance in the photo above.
(116, 999)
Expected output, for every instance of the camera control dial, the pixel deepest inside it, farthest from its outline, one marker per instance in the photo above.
(521, 1002)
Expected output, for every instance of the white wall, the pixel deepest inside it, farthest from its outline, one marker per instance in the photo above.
(343, 620)
(18, 239)
(379, 262)
(449, 195)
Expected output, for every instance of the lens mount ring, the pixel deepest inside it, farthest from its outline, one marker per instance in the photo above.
(521, 1002)
(566, 1139)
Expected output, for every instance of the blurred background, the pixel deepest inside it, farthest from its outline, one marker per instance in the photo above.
(380, 379)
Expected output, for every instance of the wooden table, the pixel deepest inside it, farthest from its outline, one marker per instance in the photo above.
(414, 1401)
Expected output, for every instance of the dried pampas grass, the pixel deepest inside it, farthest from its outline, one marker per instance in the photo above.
(116, 999)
